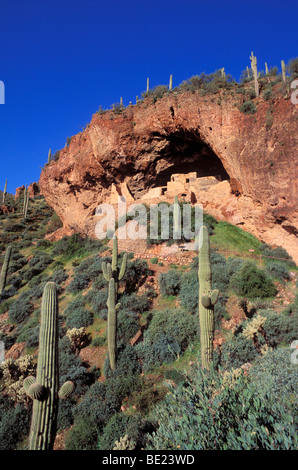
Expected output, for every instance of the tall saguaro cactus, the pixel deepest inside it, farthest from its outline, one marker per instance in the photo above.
(4, 269)
(44, 389)
(111, 270)
(253, 61)
(171, 83)
(207, 300)
(283, 71)
(112, 323)
(4, 192)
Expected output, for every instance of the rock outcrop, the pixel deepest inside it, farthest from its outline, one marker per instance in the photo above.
(252, 157)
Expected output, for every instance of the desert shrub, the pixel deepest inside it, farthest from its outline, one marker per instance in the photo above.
(82, 436)
(127, 325)
(252, 282)
(209, 413)
(267, 94)
(174, 375)
(30, 333)
(75, 246)
(156, 93)
(168, 334)
(248, 107)
(17, 261)
(233, 265)
(115, 428)
(78, 283)
(98, 300)
(71, 368)
(127, 363)
(278, 271)
(275, 373)
(20, 310)
(14, 426)
(189, 291)
(170, 282)
(277, 252)
(135, 303)
(280, 328)
(98, 341)
(293, 68)
(135, 275)
(236, 351)
(79, 318)
(65, 414)
(103, 400)
(37, 265)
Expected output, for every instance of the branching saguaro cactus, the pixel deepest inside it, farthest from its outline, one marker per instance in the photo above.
(111, 270)
(207, 299)
(112, 323)
(44, 389)
(4, 269)
(253, 61)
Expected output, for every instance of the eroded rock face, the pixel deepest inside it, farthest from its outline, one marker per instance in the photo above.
(254, 162)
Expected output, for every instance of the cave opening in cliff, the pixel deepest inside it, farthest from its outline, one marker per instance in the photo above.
(187, 153)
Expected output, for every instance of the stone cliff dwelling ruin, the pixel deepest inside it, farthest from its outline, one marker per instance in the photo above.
(184, 166)
(182, 185)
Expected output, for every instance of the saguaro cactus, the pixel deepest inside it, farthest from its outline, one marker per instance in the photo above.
(26, 203)
(4, 269)
(147, 84)
(253, 61)
(44, 389)
(171, 83)
(112, 323)
(49, 156)
(4, 192)
(111, 270)
(207, 300)
(283, 71)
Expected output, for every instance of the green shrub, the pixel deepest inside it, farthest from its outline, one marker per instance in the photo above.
(127, 325)
(135, 303)
(169, 333)
(278, 271)
(189, 291)
(208, 413)
(252, 282)
(237, 351)
(20, 310)
(169, 282)
(275, 373)
(115, 428)
(14, 426)
(248, 107)
(82, 436)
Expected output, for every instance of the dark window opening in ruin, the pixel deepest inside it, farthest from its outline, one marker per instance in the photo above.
(187, 180)
(186, 153)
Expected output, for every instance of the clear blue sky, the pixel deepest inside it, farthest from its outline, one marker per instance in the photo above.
(61, 60)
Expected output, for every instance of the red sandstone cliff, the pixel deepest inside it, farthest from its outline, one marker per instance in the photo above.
(254, 155)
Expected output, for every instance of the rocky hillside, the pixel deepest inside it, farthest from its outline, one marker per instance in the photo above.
(249, 149)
